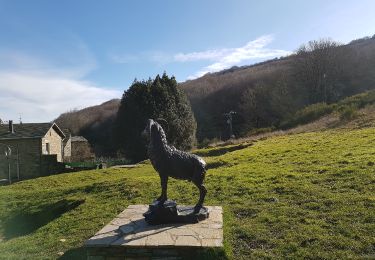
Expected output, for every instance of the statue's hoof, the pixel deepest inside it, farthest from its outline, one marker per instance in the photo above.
(171, 213)
(197, 208)
(163, 203)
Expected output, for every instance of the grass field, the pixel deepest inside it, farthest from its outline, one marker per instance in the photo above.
(308, 195)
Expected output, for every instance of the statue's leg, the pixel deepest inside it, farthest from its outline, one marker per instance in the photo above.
(164, 184)
(202, 195)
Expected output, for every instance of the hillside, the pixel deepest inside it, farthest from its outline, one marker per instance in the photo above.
(362, 118)
(94, 123)
(308, 195)
(263, 95)
(237, 76)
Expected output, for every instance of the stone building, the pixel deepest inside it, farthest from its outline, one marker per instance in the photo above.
(67, 144)
(81, 149)
(37, 149)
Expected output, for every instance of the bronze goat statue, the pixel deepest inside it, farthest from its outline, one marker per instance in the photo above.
(171, 162)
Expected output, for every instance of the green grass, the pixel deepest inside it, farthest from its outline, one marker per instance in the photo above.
(94, 163)
(299, 196)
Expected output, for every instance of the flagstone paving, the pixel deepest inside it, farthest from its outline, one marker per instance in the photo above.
(129, 230)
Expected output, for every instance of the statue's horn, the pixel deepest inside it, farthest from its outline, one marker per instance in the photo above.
(164, 123)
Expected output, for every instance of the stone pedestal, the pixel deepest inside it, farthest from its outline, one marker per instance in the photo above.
(169, 212)
(129, 236)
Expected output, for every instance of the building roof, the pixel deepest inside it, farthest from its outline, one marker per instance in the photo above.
(66, 132)
(79, 139)
(28, 130)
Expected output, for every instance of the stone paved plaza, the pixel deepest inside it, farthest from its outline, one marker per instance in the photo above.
(129, 235)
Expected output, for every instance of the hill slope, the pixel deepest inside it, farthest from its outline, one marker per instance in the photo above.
(94, 123)
(263, 95)
(306, 195)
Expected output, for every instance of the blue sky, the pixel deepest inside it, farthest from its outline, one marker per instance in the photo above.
(60, 55)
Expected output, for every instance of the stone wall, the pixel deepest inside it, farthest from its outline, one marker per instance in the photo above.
(29, 158)
(67, 143)
(50, 165)
(55, 143)
(81, 151)
(32, 163)
(6, 165)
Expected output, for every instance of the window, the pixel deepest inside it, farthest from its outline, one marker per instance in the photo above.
(47, 148)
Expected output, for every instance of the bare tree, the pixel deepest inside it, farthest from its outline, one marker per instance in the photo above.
(319, 67)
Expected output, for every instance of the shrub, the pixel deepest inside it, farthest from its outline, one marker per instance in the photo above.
(208, 142)
(348, 112)
(347, 108)
(257, 131)
(358, 101)
(204, 143)
(308, 114)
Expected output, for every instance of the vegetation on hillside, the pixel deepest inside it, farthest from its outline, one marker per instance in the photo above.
(266, 94)
(156, 99)
(296, 196)
(95, 124)
(346, 108)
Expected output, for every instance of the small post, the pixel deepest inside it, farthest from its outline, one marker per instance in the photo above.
(8, 152)
(229, 117)
(18, 163)
(11, 126)
(9, 174)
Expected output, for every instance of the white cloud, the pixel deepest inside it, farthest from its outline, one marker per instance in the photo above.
(221, 58)
(42, 98)
(226, 58)
(41, 90)
(203, 55)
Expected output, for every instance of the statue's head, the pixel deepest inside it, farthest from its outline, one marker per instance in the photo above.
(154, 128)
